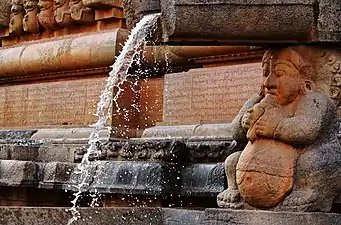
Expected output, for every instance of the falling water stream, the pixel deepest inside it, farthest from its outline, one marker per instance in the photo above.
(118, 75)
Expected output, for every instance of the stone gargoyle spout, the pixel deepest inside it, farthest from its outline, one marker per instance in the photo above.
(292, 156)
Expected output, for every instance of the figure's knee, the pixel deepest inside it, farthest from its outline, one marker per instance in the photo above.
(232, 160)
(319, 161)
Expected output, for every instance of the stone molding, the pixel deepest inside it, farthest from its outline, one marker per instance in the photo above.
(182, 55)
(201, 150)
(102, 4)
(222, 130)
(67, 54)
(58, 74)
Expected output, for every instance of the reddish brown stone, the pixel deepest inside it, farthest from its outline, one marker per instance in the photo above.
(209, 95)
(265, 172)
(139, 106)
(109, 13)
(125, 109)
(30, 22)
(75, 52)
(151, 102)
(68, 102)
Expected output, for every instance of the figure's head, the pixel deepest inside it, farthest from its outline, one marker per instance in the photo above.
(286, 74)
(45, 4)
(16, 7)
(30, 5)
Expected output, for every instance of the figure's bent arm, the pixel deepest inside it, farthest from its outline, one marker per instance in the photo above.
(238, 132)
(312, 115)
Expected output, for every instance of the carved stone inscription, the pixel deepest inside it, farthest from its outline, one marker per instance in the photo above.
(209, 95)
(151, 98)
(67, 102)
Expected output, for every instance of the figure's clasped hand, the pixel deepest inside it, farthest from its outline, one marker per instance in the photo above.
(247, 119)
(268, 122)
(251, 116)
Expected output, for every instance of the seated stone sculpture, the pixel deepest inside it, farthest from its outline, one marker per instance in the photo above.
(292, 157)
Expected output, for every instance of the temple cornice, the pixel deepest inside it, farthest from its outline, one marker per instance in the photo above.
(64, 54)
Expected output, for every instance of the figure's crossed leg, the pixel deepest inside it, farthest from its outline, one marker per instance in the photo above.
(231, 198)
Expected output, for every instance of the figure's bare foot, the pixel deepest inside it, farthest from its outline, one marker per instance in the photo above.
(230, 198)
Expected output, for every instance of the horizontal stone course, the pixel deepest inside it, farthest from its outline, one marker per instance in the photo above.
(118, 177)
(161, 216)
(272, 21)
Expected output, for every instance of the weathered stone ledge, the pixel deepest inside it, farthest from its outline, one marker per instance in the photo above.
(69, 145)
(195, 130)
(118, 177)
(161, 216)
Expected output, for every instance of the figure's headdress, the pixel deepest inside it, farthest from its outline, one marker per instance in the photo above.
(294, 56)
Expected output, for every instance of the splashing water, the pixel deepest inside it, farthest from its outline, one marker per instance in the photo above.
(117, 76)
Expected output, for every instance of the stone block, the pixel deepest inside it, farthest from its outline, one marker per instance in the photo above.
(88, 216)
(16, 173)
(151, 102)
(203, 180)
(24, 152)
(109, 13)
(102, 4)
(329, 20)
(244, 217)
(58, 103)
(134, 9)
(210, 95)
(182, 217)
(56, 174)
(5, 152)
(138, 178)
(296, 20)
(56, 152)
(272, 21)
(19, 136)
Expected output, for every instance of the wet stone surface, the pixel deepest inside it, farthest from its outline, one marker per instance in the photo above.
(118, 177)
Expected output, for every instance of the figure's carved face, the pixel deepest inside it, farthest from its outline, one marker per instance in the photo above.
(16, 6)
(29, 5)
(281, 79)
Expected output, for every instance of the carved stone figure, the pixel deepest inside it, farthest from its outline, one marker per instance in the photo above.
(17, 15)
(292, 157)
(46, 15)
(30, 21)
(62, 13)
(5, 11)
(80, 13)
